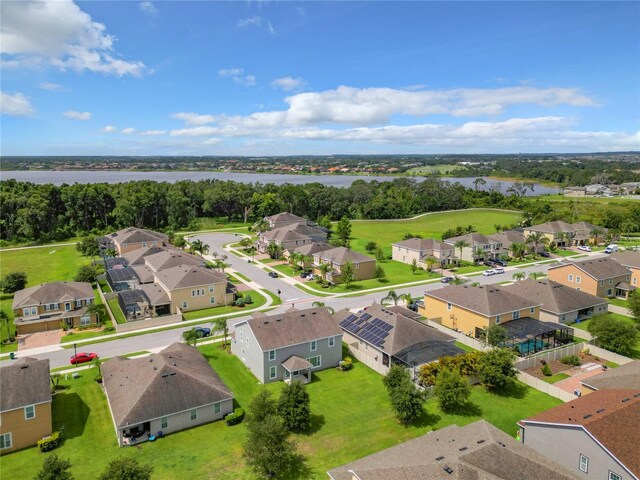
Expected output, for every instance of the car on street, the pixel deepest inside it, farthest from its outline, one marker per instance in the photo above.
(446, 279)
(203, 331)
(584, 248)
(82, 357)
(273, 274)
(498, 270)
(488, 273)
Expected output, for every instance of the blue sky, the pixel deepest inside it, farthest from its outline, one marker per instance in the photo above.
(281, 78)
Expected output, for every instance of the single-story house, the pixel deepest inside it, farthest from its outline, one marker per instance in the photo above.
(364, 267)
(419, 249)
(52, 306)
(25, 404)
(166, 392)
(288, 346)
(603, 277)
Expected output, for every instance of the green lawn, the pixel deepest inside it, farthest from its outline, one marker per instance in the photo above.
(619, 302)
(434, 169)
(555, 378)
(117, 311)
(384, 233)
(340, 419)
(635, 353)
(41, 264)
(258, 301)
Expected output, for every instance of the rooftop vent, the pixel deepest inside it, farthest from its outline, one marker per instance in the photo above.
(600, 411)
(266, 322)
(302, 315)
(172, 374)
(22, 367)
(463, 449)
(480, 441)
(448, 469)
(278, 319)
(587, 416)
(636, 395)
(165, 375)
(439, 458)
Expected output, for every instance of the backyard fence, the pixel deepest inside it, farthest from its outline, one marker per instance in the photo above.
(367, 360)
(545, 387)
(607, 355)
(549, 355)
(460, 337)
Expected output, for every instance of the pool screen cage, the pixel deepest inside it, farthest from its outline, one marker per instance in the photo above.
(425, 352)
(528, 335)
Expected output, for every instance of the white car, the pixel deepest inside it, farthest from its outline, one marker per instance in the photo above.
(584, 248)
(488, 273)
(498, 270)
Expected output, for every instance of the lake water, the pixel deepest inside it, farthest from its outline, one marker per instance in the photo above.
(117, 176)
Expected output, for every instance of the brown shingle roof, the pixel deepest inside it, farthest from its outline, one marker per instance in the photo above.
(508, 237)
(423, 245)
(293, 327)
(342, 255)
(25, 382)
(597, 268)
(555, 297)
(612, 417)
(136, 257)
(309, 250)
(285, 217)
(295, 363)
(137, 235)
(627, 258)
(155, 293)
(624, 376)
(172, 258)
(52, 292)
(553, 227)
(174, 380)
(487, 300)
(185, 276)
(478, 451)
(472, 239)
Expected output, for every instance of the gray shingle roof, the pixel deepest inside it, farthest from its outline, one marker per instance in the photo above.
(136, 257)
(342, 255)
(52, 292)
(144, 273)
(285, 217)
(487, 300)
(155, 293)
(174, 380)
(478, 451)
(553, 227)
(624, 376)
(309, 250)
(508, 237)
(136, 235)
(295, 363)
(185, 276)
(472, 239)
(598, 268)
(627, 258)
(24, 382)
(424, 245)
(293, 327)
(172, 258)
(555, 297)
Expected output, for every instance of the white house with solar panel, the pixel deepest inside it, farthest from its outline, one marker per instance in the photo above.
(381, 336)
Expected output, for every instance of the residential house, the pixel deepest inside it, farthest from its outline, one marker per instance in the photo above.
(166, 392)
(124, 277)
(623, 377)
(364, 267)
(419, 249)
(171, 258)
(290, 236)
(509, 237)
(476, 451)
(568, 234)
(560, 303)
(472, 310)
(307, 251)
(603, 277)
(479, 247)
(25, 404)
(53, 305)
(380, 337)
(288, 346)
(132, 238)
(631, 260)
(284, 218)
(136, 257)
(593, 436)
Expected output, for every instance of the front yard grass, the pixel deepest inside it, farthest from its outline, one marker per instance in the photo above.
(258, 301)
(341, 419)
(619, 302)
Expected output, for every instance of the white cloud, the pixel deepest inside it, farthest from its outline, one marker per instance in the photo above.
(108, 129)
(153, 132)
(16, 105)
(238, 76)
(212, 141)
(288, 84)
(77, 115)
(148, 8)
(58, 33)
(52, 87)
(257, 21)
(195, 132)
(128, 131)
(194, 118)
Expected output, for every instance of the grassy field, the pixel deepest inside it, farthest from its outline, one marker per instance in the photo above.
(340, 420)
(434, 169)
(41, 264)
(635, 353)
(555, 378)
(432, 225)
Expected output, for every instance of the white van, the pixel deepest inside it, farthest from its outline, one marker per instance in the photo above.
(611, 248)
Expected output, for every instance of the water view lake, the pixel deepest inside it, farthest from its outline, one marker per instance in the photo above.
(118, 176)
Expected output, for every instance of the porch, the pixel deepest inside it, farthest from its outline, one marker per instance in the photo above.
(623, 290)
(297, 369)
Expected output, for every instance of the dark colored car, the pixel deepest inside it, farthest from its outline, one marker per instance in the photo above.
(499, 261)
(203, 331)
(446, 279)
(489, 263)
(273, 274)
(82, 357)
(303, 275)
(545, 254)
(413, 307)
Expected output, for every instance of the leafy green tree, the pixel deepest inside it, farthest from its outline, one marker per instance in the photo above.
(88, 246)
(13, 282)
(430, 262)
(408, 402)
(380, 255)
(4, 319)
(294, 406)
(262, 406)
(518, 250)
(381, 275)
(613, 334)
(634, 305)
(179, 241)
(190, 337)
(274, 250)
(396, 376)
(452, 390)
(347, 273)
(518, 276)
(536, 275)
(371, 247)
(54, 468)
(496, 334)
(414, 266)
(126, 468)
(87, 273)
(268, 450)
(343, 231)
(495, 368)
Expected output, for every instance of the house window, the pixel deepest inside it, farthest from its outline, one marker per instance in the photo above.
(635, 281)
(516, 315)
(164, 422)
(602, 283)
(584, 463)
(570, 278)
(314, 345)
(533, 310)
(210, 288)
(497, 318)
(315, 361)
(611, 281)
(85, 319)
(614, 476)
(144, 244)
(5, 441)
(216, 408)
(212, 300)
(578, 279)
(194, 414)
(273, 372)
(29, 412)
(34, 310)
(332, 341)
(244, 357)
(609, 292)
(67, 306)
(241, 336)
(184, 304)
(26, 311)
(562, 318)
(78, 303)
(448, 306)
(272, 355)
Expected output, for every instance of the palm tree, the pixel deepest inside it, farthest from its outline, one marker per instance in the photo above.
(562, 237)
(460, 244)
(190, 337)
(536, 275)
(595, 233)
(519, 276)
(221, 326)
(458, 280)
(93, 308)
(392, 297)
(318, 304)
(324, 268)
(474, 284)
(297, 259)
(537, 238)
(430, 262)
(198, 246)
(518, 250)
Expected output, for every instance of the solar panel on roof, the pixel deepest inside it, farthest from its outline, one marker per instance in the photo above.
(351, 317)
(387, 327)
(384, 335)
(344, 323)
(366, 316)
(359, 321)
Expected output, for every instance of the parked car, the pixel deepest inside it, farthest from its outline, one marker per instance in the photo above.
(446, 279)
(304, 275)
(488, 273)
(203, 331)
(611, 248)
(82, 357)
(413, 307)
(499, 261)
(310, 276)
(545, 254)
(488, 263)
(498, 270)
(273, 274)
(584, 248)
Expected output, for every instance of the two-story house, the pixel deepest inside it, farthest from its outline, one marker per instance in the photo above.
(631, 260)
(509, 237)
(419, 249)
(290, 236)
(478, 247)
(25, 404)
(52, 306)
(364, 267)
(132, 238)
(603, 277)
(284, 218)
(568, 234)
(288, 346)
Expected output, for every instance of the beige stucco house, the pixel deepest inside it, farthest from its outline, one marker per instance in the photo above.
(364, 267)
(419, 249)
(479, 247)
(603, 277)
(132, 238)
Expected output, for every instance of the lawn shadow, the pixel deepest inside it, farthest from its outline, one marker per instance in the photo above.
(315, 425)
(298, 470)
(70, 414)
(469, 409)
(516, 390)
(426, 419)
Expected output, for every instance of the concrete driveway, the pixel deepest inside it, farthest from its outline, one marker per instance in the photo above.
(39, 339)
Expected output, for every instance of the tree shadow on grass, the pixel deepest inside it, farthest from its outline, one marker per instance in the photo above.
(315, 425)
(516, 390)
(70, 414)
(425, 419)
(298, 470)
(469, 409)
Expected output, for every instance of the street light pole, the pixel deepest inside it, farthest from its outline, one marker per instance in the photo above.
(75, 354)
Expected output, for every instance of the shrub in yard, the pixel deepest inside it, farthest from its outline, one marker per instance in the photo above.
(240, 302)
(346, 364)
(49, 443)
(571, 360)
(235, 417)
(247, 299)
(546, 370)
